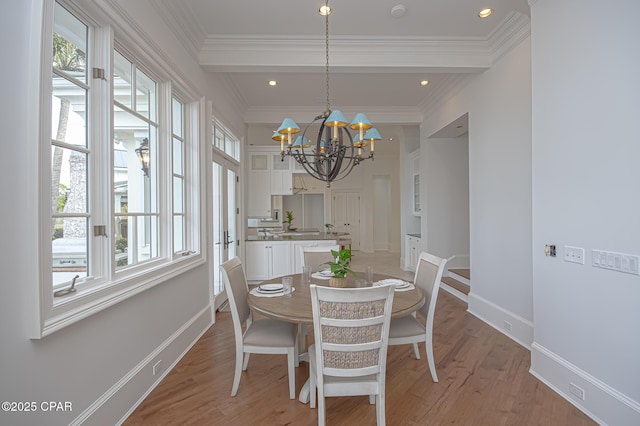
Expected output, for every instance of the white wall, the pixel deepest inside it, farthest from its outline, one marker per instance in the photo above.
(586, 154)
(499, 106)
(445, 196)
(105, 359)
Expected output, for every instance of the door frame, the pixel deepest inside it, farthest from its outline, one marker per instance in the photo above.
(227, 164)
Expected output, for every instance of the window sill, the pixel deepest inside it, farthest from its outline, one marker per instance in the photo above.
(86, 302)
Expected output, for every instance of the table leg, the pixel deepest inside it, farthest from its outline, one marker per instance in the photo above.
(304, 392)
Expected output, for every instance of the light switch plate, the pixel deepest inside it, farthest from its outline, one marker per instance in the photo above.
(621, 262)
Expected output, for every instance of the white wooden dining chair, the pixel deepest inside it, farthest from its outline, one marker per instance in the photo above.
(349, 356)
(265, 336)
(316, 257)
(409, 329)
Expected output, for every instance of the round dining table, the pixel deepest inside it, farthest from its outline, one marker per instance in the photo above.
(297, 307)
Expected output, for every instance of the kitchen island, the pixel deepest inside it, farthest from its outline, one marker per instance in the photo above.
(279, 254)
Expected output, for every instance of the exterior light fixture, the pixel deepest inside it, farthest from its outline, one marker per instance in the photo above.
(143, 155)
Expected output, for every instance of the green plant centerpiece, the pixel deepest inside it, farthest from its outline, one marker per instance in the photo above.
(289, 219)
(340, 267)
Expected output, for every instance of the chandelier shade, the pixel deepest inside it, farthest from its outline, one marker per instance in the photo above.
(335, 152)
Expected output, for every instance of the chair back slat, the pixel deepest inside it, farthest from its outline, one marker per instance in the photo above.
(352, 329)
(428, 276)
(235, 284)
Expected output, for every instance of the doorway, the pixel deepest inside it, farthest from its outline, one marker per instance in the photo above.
(225, 220)
(345, 215)
(382, 212)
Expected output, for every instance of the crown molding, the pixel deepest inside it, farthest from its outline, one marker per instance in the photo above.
(183, 23)
(348, 54)
(514, 29)
(386, 115)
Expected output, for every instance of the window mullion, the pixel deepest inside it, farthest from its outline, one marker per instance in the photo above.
(100, 158)
(165, 191)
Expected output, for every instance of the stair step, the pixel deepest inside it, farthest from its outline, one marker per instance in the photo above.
(466, 273)
(453, 283)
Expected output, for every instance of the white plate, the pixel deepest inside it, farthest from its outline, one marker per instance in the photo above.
(399, 283)
(266, 288)
(326, 273)
(269, 291)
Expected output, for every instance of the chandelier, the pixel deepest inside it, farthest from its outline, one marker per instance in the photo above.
(334, 153)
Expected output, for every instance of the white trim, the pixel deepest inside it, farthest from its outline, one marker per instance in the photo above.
(106, 288)
(612, 407)
(521, 329)
(92, 302)
(446, 287)
(118, 399)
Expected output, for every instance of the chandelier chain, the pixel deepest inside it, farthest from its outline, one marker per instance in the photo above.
(335, 152)
(326, 31)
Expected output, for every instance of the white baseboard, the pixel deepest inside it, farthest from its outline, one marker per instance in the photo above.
(499, 318)
(602, 403)
(117, 403)
(454, 292)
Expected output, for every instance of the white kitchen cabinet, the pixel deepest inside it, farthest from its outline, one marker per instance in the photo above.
(281, 177)
(259, 185)
(412, 252)
(296, 251)
(416, 195)
(267, 259)
(415, 158)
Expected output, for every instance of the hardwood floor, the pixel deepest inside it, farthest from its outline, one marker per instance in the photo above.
(484, 380)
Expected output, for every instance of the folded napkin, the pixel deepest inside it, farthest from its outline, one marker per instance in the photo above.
(256, 293)
(400, 285)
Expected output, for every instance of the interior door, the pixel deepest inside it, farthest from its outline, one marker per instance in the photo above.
(225, 220)
(346, 215)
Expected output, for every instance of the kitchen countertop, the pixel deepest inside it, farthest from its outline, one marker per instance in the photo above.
(297, 236)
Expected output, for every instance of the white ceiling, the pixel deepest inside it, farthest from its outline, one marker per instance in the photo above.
(377, 61)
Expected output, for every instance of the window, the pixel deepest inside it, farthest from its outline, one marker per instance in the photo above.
(224, 140)
(179, 182)
(124, 193)
(70, 216)
(135, 182)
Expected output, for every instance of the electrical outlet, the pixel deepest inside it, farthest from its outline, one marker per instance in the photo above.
(156, 367)
(576, 390)
(507, 325)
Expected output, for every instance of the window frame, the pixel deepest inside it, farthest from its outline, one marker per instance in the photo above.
(108, 287)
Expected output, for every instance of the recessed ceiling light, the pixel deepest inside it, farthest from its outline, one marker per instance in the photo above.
(272, 83)
(424, 82)
(390, 139)
(324, 10)
(485, 12)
